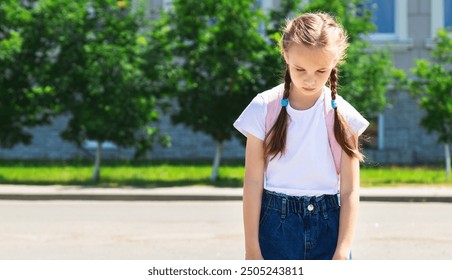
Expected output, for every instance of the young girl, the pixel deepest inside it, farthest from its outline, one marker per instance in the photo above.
(302, 156)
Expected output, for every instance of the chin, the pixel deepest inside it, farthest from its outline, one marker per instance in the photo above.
(306, 91)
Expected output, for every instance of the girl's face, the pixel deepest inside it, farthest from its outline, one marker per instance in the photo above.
(310, 68)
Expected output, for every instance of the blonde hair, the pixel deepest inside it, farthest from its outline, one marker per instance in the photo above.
(313, 30)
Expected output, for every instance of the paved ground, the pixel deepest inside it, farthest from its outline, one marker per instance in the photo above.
(199, 230)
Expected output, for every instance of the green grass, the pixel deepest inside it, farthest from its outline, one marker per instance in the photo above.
(167, 174)
(122, 173)
(393, 176)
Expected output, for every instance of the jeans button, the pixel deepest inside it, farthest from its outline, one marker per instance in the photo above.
(310, 207)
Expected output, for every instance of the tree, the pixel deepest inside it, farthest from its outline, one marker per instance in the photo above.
(432, 87)
(219, 53)
(24, 101)
(98, 73)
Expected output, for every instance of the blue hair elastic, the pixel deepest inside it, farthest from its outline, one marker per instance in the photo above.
(284, 102)
(333, 104)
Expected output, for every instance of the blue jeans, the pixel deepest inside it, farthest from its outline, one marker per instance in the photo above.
(298, 227)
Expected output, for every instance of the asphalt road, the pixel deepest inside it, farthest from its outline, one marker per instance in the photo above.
(90, 230)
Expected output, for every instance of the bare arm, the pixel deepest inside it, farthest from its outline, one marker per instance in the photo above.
(349, 205)
(252, 195)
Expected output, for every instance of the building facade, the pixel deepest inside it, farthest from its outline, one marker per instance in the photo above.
(405, 27)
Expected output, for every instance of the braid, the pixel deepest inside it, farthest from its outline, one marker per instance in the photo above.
(341, 127)
(333, 83)
(287, 82)
(275, 140)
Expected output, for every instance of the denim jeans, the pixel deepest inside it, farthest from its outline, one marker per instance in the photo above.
(298, 227)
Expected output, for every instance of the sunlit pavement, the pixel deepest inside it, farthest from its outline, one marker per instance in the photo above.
(199, 230)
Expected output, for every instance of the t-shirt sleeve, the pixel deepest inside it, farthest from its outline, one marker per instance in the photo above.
(355, 120)
(252, 119)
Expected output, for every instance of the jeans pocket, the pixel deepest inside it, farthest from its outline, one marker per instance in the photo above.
(333, 221)
(265, 208)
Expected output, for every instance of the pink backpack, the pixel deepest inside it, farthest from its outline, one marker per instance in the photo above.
(274, 107)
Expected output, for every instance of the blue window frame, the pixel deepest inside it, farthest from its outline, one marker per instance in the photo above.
(448, 14)
(383, 15)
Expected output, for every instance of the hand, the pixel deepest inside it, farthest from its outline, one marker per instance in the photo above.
(254, 256)
(341, 256)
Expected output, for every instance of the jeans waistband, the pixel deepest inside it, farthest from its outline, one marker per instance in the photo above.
(299, 204)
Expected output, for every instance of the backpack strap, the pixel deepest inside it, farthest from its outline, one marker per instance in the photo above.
(274, 107)
(336, 149)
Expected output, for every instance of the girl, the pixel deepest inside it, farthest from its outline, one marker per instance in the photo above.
(302, 156)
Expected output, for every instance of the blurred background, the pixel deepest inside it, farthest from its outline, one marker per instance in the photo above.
(141, 83)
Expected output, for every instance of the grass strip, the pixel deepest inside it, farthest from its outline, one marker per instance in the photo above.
(149, 174)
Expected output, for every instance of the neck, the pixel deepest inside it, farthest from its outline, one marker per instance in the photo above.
(300, 101)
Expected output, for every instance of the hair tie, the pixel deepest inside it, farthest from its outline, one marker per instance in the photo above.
(284, 102)
(333, 104)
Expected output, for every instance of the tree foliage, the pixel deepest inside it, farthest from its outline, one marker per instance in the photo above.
(432, 86)
(24, 101)
(98, 72)
(219, 49)
(88, 59)
(219, 54)
(101, 76)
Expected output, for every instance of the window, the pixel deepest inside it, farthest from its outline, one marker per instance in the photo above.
(448, 14)
(391, 19)
(383, 15)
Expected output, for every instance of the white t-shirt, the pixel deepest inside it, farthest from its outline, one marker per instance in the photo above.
(307, 166)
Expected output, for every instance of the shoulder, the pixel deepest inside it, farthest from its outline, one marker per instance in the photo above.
(254, 118)
(344, 107)
(272, 94)
(356, 121)
(261, 100)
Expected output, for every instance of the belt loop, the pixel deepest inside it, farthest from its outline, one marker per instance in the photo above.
(324, 208)
(283, 208)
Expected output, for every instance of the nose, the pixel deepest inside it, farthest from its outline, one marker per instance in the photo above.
(309, 81)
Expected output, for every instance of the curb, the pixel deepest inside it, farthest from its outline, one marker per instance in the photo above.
(202, 193)
(444, 199)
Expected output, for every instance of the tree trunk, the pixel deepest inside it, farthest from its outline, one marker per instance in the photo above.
(216, 161)
(96, 174)
(447, 152)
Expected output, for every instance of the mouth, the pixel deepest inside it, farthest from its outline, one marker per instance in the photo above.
(309, 89)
